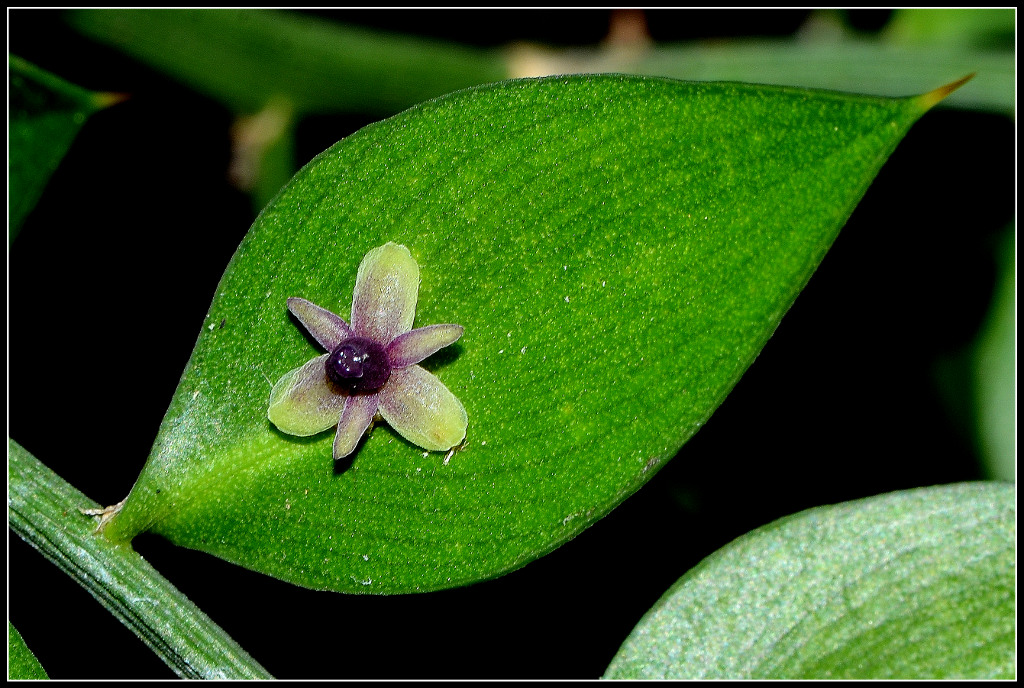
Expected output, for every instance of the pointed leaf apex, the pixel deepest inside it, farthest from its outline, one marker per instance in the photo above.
(105, 99)
(932, 98)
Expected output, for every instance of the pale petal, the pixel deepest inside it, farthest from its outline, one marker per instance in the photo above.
(415, 345)
(326, 327)
(303, 402)
(358, 414)
(384, 301)
(422, 409)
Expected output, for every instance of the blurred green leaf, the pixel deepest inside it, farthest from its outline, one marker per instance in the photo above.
(246, 58)
(45, 512)
(995, 370)
(45, 114)
(916, 584)
(21, 663)
(954, 26)
(618, 249)
(847, 65)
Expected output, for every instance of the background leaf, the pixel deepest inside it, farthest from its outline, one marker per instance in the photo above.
(960, 27)
(848, 65)
(247, 58)
(618, 249)
(978, 380)
(995, 369)
(915, 584)
(21, 663)
(45, 114)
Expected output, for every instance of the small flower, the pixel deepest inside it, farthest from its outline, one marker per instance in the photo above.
(371, 369)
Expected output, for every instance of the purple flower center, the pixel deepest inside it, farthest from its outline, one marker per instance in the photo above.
(358, 364)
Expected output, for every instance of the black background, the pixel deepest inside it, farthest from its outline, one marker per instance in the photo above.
(132, 234)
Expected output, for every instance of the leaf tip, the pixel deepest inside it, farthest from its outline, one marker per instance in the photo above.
(930, 99)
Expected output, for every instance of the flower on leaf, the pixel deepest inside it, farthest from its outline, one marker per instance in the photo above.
(370, 368)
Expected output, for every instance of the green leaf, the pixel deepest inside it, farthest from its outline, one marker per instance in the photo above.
(953, 27)
(849, 65)
(915, 584)
(21, 663)
(246, 58)
(995, 370)
(45, 114)
(618, 250)
(46, 512)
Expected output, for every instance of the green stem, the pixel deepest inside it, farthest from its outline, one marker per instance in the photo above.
(44, 511)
